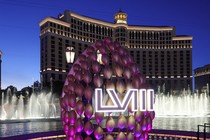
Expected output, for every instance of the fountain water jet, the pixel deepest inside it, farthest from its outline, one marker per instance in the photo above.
(26, 105)
(185, 104)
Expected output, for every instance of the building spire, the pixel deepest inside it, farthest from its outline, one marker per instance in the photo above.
(120, 17)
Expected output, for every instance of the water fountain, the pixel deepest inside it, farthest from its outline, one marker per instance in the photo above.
(14, 105)
(26, 104)
(184, 103)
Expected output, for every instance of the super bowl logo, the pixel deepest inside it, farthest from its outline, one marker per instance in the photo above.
(107, 99)
(137, 100)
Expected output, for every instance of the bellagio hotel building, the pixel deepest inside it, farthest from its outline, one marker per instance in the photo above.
(163, 57)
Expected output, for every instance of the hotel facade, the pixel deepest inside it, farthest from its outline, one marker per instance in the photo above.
(163, 57)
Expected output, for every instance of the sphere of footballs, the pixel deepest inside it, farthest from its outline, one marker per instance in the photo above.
(116, 70)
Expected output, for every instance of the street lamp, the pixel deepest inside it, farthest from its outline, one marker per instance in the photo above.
(70, 54)
(99, 57)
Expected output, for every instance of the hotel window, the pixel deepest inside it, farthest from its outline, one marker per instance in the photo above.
(91, 28)
(67, 67)
(60, 48)
(60, 77)
(51, 24)
(53, 75)
(52, 55)
(53, 64)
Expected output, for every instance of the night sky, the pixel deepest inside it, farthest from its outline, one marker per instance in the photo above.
(19, 28)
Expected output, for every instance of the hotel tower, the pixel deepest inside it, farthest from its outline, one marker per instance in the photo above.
(163, 57)
(202, 79)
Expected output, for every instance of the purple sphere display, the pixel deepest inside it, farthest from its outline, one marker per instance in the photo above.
(106, 65)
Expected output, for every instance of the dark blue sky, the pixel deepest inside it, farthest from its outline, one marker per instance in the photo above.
(19, 28)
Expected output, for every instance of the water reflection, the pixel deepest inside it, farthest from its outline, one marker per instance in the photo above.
(181, 123)
(12, 129)
(166, 123)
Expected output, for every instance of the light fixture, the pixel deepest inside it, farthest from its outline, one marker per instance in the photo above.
(70, 54)
(99, 57)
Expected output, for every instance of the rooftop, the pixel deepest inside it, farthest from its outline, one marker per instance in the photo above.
(128, 25)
